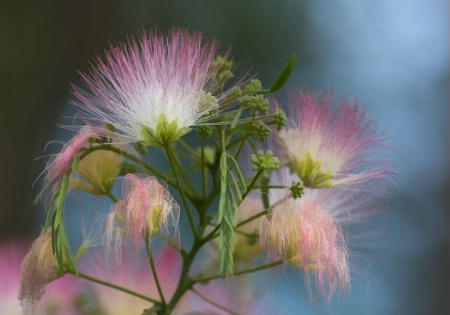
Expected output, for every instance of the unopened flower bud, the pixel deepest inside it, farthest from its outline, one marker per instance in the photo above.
(97, 172)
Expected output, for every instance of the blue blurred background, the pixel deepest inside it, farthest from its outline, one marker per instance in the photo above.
(392, 55)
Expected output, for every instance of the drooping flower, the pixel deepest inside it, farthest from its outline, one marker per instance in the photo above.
(60, 295)
(327, 148)
(39, 269)
(146, 208)
(156, 87)
(306, 236)
(61, 163)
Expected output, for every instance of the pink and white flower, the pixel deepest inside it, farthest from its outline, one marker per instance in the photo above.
(312, 233)
(60, 163)
(329, 148)
(153, 89)
(147, 207)
(305, 235)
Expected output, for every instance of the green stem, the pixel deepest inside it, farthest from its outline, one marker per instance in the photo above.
(250, 187)
(125, 154)
(271, 187)
(117, 287)
(214, 303)
(155, 274)
(243, 272)
(202, 165)
(171, 243)
(172, 162)
(111, 196)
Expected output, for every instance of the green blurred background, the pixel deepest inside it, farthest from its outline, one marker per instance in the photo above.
(393, 55)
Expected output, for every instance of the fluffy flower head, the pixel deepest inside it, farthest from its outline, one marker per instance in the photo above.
(306, 236)
(146, 208)
(61, 163)
(154, 88)
(39, 267)
(327, 148)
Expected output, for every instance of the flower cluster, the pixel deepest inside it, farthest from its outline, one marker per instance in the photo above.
(302, 189)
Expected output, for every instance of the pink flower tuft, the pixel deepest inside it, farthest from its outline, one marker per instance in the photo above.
(147, 208)
(306, 234)
(40, 286)
(328, 148)
(153, 89)
(62, 162)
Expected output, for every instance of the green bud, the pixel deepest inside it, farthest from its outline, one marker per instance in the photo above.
(264, 161)
(223, 67)
(296, 189)
(205, 131)
(260, 104)
(280, 118)
(262, 132)
(253, 86)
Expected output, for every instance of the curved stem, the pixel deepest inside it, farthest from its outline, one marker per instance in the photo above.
(242, 272)
(173, 165)
(111, 196)
(155, 274)
(114, 286)
(223, 308)
(250, 187)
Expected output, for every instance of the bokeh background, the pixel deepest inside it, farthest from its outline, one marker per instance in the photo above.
(393, 55)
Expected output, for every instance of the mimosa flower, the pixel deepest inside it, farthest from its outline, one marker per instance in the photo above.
(146, 209)
(306, 236)
(40, 271)
(61, 163)
(39, 268)
(60, 294)
(327, 148)
(155, 88)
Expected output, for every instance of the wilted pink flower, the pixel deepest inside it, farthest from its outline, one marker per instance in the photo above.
(41, 275)
(147, 208)
(306, 236)
(61, 163)
(154, 88)
(328, 148)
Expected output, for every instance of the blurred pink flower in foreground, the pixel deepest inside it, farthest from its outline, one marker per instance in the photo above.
(154, 88)
(328, 148)
(147, 208)
(59, 298)
(132, 271)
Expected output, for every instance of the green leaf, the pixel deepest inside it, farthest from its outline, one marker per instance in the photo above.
(283, 76)
(60, 243)
(232, 185)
